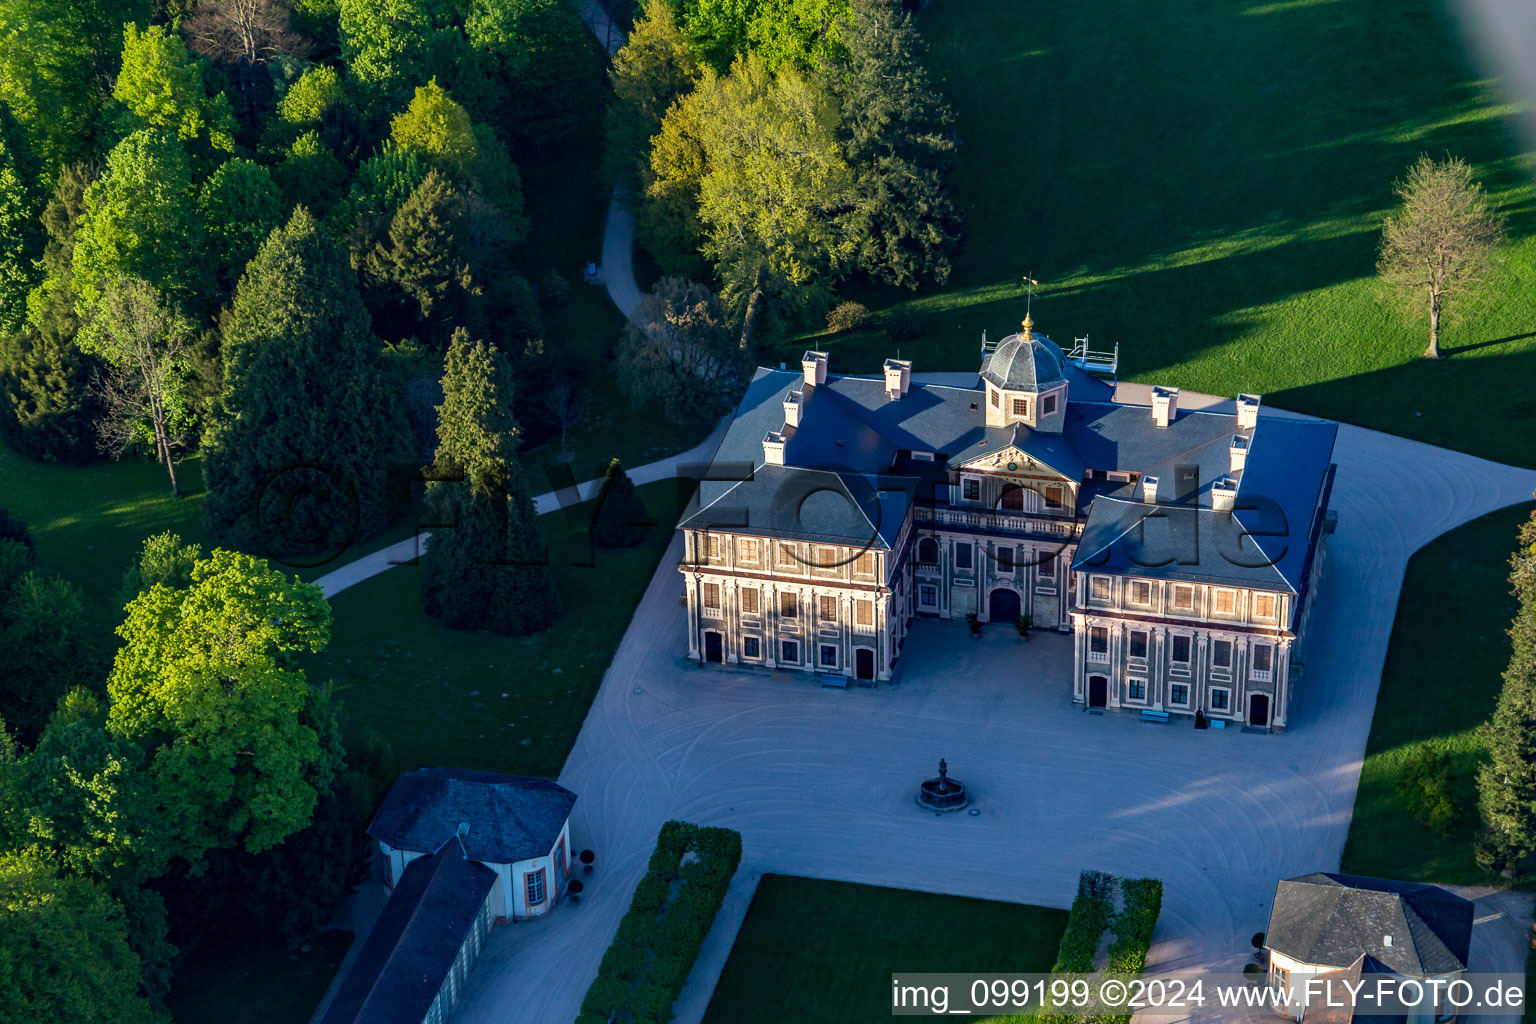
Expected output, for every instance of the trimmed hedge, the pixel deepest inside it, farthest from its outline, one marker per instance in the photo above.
(1141, 900)
(1085, 923)
(659, 937)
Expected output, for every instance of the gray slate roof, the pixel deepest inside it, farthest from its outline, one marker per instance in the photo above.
(510, 817)
(1334, 920)
(850, 428)
(405, 959)
(1020, 365)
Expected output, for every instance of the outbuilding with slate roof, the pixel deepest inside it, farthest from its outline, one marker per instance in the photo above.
(518, 827)
(1325, 924)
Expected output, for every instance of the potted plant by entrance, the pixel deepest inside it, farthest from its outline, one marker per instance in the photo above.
(1023, 624)
(972, 621)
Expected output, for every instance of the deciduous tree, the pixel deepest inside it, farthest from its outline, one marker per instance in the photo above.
(1441, 240)
(163, 87)
(45, 644)
(164, 559)
(241, 205)
(677, 352)
(654, 67)
(240, 746)
(144, 341)
(140, 221)
(65, 953)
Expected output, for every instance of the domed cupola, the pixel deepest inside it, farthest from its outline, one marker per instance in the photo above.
(1026, 381)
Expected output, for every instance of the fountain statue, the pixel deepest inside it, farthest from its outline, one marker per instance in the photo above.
(943, 793)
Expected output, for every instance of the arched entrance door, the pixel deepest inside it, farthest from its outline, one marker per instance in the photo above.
(1258, 709)
(1098, 691)
(864, 663)
(713, 650)
(1003, 605)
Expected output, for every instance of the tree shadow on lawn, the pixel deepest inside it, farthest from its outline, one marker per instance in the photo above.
(1169, 170)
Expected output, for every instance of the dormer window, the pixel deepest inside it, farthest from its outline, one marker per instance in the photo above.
(997, 399)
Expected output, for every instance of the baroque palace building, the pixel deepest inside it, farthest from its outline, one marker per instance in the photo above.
(1181, 547)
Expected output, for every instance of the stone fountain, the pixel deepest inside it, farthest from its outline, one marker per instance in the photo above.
(943, 793)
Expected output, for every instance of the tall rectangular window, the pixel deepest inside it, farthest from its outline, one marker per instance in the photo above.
(1098, 588)
(962, 556)
(789, 605)
(970, 487)
(1221, 698)
(1138, 643)
(714, 546)
(1226, 602)
(1098, 643)
(712, 599)
(997, 399)
(1141, 592)
(1054, 495)
(864, 565)
(535, 884)
(1264, 606)
(1047, 405)
(1181, 650)
(748, 548)
(1263, 661)
(1178, 693)
(789, 652)
(750, 601)
(928, 596)
(1046, 570)
(829, 656)
(1221, 654)
(751, 647)
(1005, 559)
(1184, 597)
(786, 556)
(864, 613)
(1136, 689)
(827, 609)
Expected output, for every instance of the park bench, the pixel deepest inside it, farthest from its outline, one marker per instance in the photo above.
(1154, 716)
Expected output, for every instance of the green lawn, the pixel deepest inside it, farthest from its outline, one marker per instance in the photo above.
(1449, 632)
(474, 700)
(1202, 182)
(818, 952)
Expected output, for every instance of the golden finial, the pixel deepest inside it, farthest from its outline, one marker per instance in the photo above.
(1028, 324)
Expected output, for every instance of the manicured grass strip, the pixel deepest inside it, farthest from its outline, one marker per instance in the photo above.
(659, 938)
(475, 700)
(821, 952)
(1203, 183)
(1440, 682)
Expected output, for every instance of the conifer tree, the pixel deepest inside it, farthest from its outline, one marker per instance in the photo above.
(1506, 785)
(486, 565)
(620, 519)
(307, 432)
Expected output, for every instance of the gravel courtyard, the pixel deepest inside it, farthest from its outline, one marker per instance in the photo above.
(819, 781)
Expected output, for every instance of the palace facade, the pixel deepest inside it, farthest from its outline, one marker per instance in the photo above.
(1181, 547)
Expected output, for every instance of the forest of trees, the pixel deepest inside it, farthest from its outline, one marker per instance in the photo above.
(285, 236)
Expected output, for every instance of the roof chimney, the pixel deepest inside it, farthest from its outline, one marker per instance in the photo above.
(815, 366)
(1239, 452)
(792, 408)
(1149, 489)
(773, 448)
(1248, 411)
(1165, 405)
(1223, 494)
(898, 375)
(1386, 940)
